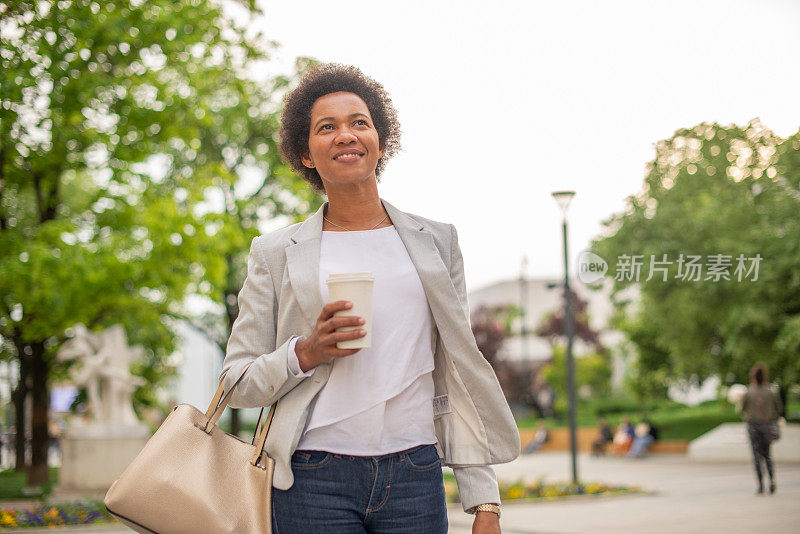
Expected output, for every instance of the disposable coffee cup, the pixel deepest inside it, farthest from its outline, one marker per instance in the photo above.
(357, 288)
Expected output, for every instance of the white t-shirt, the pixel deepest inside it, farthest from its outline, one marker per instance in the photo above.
(378, 400)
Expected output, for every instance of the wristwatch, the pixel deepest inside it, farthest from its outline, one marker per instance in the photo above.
(488, 507)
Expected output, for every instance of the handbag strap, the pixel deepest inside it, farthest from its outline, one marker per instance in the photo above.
(217, 406)
(220, 402)
(262, 436)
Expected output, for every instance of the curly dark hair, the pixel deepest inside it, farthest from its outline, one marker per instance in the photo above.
(318, 81)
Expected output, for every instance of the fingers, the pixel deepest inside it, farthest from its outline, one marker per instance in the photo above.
(332, 307)
(347, 335)
(340, 321)
(334, 337)
(325, 332)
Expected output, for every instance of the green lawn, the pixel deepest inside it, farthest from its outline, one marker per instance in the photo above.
(674, 421)
(11, 484)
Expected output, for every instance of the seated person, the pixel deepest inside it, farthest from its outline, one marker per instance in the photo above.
(604, 437)
(646, 434)
(624, 437)
(538, 439)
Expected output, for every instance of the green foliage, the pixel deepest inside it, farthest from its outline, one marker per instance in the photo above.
(713, 190)
(137, 156)
(592, 375)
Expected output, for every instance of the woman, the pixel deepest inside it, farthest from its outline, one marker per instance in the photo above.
(359, 436)
(760, 408)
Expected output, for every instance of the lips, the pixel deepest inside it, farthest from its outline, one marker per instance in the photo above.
(348, 155)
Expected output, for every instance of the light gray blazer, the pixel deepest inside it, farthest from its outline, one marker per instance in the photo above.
(280, 298)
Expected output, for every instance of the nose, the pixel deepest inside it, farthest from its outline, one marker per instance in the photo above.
(345, 136)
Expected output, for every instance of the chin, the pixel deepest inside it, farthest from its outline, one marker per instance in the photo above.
(350, 180)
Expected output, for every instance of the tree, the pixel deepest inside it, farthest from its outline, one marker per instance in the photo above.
(491, 327)
(592, 371)
(553, 325)
(729, 195)
(115, 119)
(592, 375)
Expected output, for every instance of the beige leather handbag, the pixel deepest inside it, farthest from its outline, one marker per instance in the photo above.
(192, 477)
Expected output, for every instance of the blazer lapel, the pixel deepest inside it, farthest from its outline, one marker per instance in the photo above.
(433, 273)
(302, 262)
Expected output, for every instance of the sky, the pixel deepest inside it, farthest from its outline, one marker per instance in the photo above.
(502, 103)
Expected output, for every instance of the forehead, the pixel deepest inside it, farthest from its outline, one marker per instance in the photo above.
(339, 103)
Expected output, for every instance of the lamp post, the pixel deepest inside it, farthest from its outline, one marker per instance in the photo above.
(563, 198)
(524, 375)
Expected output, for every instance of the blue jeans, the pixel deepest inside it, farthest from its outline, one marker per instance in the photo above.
(401, 492)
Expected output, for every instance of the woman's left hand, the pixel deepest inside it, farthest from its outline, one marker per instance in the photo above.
(486, 523)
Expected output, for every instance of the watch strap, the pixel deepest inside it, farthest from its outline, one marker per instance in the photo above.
(488, 507)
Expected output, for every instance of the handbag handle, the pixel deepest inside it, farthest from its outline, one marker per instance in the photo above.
(219, 403)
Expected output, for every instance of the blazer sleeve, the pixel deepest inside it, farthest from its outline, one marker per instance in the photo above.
(476, 484)
(253, 339)
(457, 272)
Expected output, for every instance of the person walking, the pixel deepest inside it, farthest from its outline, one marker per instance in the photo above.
(359, 436)
(760, 408)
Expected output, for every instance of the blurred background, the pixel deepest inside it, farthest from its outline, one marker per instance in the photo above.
(138, 159)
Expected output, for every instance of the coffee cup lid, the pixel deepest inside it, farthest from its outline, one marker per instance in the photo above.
(350, 277)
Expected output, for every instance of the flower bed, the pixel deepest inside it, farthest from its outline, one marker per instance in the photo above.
(79, 512)
(521, 490)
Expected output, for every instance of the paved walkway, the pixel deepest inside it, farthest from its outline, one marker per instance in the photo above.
(690, 497)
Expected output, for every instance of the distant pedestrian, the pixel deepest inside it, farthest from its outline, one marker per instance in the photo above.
(760, 408)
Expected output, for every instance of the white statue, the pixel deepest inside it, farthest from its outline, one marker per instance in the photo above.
(104, 370)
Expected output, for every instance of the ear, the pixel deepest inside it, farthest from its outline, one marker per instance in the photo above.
(305, 157)
(381, 148)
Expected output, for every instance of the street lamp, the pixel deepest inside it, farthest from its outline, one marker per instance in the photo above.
(525, 375)
(563, 198)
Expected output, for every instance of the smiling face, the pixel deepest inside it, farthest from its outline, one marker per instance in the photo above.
(343, 143)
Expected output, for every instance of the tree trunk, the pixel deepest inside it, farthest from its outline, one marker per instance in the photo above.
(231, 312)
(20, 417)
(38, 473)
(783, 394)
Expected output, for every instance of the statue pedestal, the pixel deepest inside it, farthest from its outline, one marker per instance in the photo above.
(93, 457)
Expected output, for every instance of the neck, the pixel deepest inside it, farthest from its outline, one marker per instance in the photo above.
(356, 209)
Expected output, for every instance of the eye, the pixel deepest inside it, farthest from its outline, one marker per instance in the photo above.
(362, 121)
(325, 125)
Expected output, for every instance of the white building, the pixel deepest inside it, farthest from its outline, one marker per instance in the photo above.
(539, 297)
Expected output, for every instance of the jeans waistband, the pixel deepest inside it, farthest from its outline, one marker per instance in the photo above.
(375, 457)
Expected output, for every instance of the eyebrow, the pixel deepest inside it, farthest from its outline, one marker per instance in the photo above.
(352, 115)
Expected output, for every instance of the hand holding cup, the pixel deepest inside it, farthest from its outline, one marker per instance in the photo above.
(320, 346)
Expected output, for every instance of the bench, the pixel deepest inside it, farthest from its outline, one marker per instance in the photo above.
(558, 440)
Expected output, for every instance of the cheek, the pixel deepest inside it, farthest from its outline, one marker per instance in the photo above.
(314, 147)
(375, 143)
